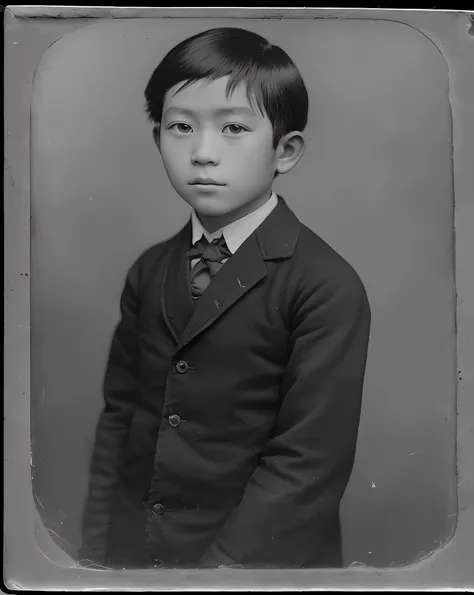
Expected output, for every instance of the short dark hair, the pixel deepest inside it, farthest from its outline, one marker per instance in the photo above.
(271, 77)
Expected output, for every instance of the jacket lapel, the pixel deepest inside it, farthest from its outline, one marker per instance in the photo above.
(238, 275)
(275, 238)
(176, 300)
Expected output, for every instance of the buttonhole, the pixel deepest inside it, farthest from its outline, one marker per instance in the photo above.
(217, 303)
(240, 282)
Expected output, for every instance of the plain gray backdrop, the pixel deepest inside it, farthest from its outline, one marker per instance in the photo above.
(376, 182)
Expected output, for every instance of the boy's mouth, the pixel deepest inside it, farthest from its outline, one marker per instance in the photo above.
(205, 182)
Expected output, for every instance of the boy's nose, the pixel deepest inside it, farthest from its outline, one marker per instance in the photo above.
(204, 152)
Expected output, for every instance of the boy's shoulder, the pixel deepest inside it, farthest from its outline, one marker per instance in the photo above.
(319, 263)
(149, 258)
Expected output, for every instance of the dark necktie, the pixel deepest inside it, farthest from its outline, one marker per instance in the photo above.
(211, 256)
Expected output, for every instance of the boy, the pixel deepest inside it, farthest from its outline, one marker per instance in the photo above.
(233, 386)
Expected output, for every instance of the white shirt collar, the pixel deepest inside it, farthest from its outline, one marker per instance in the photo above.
(238, 231)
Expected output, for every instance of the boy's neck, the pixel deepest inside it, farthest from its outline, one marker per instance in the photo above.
(212, 224)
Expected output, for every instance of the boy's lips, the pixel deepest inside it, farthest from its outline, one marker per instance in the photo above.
(205, 182)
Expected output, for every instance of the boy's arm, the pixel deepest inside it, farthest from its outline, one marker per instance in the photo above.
(121, 390)
(292, 499)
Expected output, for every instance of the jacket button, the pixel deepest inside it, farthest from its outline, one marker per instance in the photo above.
(182, 367)
(158, 509)
(174, 420)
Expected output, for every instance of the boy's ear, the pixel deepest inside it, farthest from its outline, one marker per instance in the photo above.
(156, 136)
(289, 151)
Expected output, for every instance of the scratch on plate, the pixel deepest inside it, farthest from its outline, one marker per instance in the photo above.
(359, 564)
(39, 502)
(54, 533)
(58, 536)
(414, 453)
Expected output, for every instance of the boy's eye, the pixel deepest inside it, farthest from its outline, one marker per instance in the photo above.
(181, 127)
(234, 128)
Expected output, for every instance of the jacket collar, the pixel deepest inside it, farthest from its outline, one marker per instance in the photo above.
(278, 235)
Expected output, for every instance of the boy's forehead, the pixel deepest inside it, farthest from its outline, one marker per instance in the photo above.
(209, 95)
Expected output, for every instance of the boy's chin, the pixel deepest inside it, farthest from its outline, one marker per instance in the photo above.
(217, 206)
(209, 212)
(211, 208)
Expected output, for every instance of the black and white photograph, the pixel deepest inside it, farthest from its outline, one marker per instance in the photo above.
(244, 274)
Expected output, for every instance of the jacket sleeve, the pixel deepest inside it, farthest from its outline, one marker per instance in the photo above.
(121, 390)
(290, 504)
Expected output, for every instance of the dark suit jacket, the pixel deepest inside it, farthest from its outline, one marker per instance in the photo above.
(230, 425)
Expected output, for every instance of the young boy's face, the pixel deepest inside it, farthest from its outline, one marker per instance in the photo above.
(217, 151)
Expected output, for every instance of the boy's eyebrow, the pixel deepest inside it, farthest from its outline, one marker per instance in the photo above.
(227, 111)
